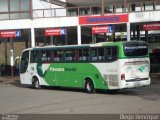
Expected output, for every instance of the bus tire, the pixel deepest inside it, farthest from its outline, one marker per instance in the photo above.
(89, 86)
(35, 83)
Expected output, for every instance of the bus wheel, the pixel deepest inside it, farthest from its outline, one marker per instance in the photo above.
(89, 86)
(35, 83)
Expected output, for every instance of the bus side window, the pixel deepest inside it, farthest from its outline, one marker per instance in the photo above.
(56, 59)
(73, 55)
(24, 62)
(101, 54)
(94, 56)
(48, 56)
(80, 55)
(52, 55)
(83, 55)
(44, 57)
(110, 54)
(33, 57)
(114, 53)
(70, 55)
(38, 57)
(77, 56)
(86, 55)
(58, 56)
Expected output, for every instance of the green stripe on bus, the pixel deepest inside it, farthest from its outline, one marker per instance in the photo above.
(72, 75)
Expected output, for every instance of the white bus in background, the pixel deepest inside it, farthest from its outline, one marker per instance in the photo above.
(107, 66)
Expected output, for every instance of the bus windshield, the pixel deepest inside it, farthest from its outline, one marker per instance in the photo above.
(135, 48)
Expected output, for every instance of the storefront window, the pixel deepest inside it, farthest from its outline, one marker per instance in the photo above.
(14, 5)
(157, 5)
(14, 16)
(148, 6)
(135, 7)
(4, 16)
(108, 8)
(120, 8)
(25, 5)
(3, 5)
(25, 15)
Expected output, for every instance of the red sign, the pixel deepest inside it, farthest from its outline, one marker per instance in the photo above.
(107, 19)
(152, 26)
(52, 31)
(8, 34)
(55, 31)
(100, 29)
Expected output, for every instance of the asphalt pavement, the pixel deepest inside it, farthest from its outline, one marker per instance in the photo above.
(17, 98)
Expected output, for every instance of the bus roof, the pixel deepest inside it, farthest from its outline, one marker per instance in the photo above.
(81, 46)
(74, 46)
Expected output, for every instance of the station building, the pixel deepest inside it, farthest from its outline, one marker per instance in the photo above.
(68, 22)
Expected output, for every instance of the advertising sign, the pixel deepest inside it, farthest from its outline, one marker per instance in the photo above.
(55, 31)
(103, 29)
(106, 19)
(10, 33)
(100, 29)
(152, 26)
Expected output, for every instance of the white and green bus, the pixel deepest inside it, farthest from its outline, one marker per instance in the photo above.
(107, 66)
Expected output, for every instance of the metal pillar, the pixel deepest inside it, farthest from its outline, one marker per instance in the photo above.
(5, 49)
(12, 58)
(102, 7)
(32, 37)
(79, 34)
(125, 6)
(128, 32)
(29, 38)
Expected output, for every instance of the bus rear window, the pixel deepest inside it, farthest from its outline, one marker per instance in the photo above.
(135, 48)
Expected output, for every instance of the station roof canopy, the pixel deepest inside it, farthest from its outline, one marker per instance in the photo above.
(98, 2)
